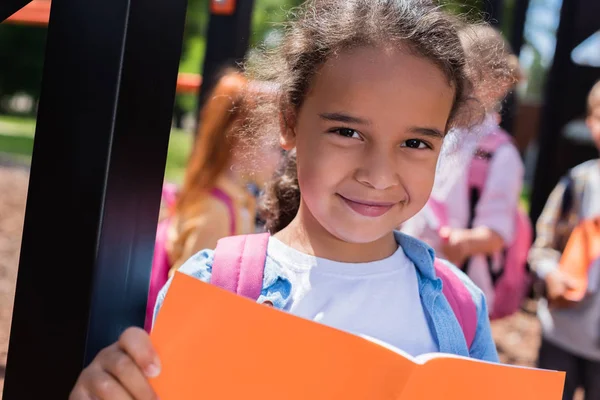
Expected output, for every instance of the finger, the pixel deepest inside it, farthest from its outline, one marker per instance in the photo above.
(103, 386)
(570, 282)
(136, 343)
(445, 232)
(122, 367)
(80, 393)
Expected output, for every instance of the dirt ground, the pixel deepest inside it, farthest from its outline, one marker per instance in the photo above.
(517, 337)
(13, 192)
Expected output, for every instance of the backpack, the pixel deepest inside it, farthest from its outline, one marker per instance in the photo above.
(239, 262)
(161, 264)
(512, 283)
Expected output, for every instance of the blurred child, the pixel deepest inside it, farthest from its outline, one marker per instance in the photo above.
(570, 330)
(215, 199)
(479, 208)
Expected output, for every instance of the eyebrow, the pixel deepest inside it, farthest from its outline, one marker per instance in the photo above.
(432, 132)
(345, 118)
(349, 119)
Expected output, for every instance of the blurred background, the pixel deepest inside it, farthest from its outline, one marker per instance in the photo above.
(558, 42)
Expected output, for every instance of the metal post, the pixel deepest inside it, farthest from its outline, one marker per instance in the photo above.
(494, 10)
(98, 164)
(226, 43)
(516, 42)
(565, 99)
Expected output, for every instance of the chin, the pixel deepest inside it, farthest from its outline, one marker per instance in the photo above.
(363, 235)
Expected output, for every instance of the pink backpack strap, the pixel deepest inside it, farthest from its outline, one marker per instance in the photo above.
(169, 194)
(478, 170)
(239, 264)
(224, 197)
(160, 270)
(460, 300)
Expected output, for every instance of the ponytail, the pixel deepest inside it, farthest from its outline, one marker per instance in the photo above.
(281, 200)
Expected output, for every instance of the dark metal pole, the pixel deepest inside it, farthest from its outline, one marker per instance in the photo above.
(516, 42)
(551, 121)
(494, 11)
(226, 44)
(518, 25)
(9, 7)
(98, 164)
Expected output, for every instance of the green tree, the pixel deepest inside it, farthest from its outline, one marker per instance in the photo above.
(21, 59)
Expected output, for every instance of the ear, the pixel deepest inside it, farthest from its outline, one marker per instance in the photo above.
(287, 124)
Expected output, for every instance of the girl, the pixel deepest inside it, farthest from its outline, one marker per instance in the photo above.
(214, 200)
(200, 215)
(482, 223)
(368, 88)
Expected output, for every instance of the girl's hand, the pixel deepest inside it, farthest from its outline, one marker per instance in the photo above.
(455, 245)
(557, 286)
(120, 371)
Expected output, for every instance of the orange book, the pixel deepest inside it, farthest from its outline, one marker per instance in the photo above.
(216, 345)
(581, 251)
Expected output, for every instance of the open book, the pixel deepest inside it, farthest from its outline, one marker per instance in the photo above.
(216, 345)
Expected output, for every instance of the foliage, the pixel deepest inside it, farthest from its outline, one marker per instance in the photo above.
(21, 59)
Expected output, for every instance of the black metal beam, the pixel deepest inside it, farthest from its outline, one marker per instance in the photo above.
(518, 24)
(515, 39)
(9, 7)
(98, 164)
(494, 9)
(566, 90)
(227, 41)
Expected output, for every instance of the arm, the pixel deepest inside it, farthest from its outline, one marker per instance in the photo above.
(494, 222)
(545, 254)
(493, 225)
(483, 346)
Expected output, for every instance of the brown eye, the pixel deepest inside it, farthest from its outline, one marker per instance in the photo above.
(347, 132)
(415, 144)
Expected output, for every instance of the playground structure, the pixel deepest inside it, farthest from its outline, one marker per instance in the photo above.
(37, 13)
(98, 165)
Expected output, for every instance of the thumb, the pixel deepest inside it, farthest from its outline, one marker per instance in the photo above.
(570, 282)
(445, 232)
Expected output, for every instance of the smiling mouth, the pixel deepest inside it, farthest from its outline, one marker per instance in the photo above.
(367, 208)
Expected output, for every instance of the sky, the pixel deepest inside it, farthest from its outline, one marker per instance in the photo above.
(540, 30)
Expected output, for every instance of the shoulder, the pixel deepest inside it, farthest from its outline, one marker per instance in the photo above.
(198, 266)
(476, 293)
(482, 346)
(508, 158)
(584, 169)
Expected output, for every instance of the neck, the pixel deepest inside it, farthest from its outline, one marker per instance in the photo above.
(307, 235)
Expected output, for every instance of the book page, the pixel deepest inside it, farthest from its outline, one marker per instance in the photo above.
(216, 345)
(467, 379)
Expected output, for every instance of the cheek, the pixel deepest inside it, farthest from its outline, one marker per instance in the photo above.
(418, 177)
(319, 165)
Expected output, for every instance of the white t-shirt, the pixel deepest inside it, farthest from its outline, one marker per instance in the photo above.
(495, 210)
(379, 299)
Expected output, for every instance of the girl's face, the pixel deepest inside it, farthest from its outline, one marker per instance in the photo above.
(368, 137)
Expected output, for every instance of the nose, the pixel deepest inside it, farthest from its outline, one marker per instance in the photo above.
(378, 170)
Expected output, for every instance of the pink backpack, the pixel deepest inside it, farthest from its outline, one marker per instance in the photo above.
(512, 283)
(160, 262)
(239, 263)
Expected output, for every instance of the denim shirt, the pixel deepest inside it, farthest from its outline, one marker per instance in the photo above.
(442, 322)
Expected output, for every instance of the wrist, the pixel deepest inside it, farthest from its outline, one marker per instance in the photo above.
(545, 268)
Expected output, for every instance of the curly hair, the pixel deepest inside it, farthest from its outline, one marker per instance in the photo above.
(321, 28)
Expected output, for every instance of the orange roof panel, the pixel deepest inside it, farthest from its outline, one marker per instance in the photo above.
(35, 13)
(38, 13)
